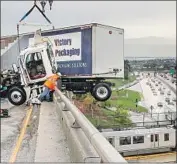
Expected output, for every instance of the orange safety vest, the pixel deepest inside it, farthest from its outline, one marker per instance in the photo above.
(50, 82)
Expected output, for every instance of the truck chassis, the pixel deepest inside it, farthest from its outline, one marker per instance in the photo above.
(17, 94)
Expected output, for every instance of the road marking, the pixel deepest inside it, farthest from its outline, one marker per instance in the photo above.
(21, 136)
(148, 156)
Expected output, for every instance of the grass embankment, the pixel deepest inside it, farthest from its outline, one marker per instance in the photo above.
(110, 119)
(96, 112)
(125, 99)
(122, 82)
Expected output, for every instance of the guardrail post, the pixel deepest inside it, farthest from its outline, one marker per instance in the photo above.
(69, 94)
(65, 108)
(75, 125)
(59, 99)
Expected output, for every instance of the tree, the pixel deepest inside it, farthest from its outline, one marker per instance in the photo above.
(88, 103)
(127, 68)
(80, 96)
(122, 116)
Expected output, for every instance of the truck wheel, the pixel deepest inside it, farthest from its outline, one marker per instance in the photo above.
(17, 95)
(101, 92)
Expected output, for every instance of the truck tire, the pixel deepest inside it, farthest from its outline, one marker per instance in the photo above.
(101, 92)
(17, 95)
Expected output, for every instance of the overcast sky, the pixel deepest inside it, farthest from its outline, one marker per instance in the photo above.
(139, 19)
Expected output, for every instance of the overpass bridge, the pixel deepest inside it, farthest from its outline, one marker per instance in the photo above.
(63, 134)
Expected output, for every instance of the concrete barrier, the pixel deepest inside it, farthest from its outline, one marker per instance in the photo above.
(87, 144)
(81, 149)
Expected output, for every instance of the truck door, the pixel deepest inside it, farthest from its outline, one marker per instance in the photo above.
(24, 73)
(51, 58)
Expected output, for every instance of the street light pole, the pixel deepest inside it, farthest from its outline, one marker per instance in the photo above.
(128, 80)
(151, 110)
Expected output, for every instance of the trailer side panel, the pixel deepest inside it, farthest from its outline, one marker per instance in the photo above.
(73, 50)
(108, 51)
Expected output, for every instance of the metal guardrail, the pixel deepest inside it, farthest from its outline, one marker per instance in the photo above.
(104, 149)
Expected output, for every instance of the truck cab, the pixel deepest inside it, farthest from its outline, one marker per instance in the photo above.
(36, 63)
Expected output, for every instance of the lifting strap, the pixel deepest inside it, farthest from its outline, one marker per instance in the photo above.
(18, 33)
(32, 10)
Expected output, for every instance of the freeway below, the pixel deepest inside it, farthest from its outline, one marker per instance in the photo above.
(150, 88)
(168, 82)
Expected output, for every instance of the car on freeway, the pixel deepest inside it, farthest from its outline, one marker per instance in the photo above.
(160, 104)
(168, 93)
(156, 84)
(155, 94)
(173, 80)
(159, 89)
(167, 99)
(161, 92)
(173, 99)
(171, 103)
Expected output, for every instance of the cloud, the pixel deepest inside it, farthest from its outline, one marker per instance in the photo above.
(138, 18)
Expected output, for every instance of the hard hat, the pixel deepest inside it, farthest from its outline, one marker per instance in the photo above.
(58, 73)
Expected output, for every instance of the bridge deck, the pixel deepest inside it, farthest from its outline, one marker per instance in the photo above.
(51, 142)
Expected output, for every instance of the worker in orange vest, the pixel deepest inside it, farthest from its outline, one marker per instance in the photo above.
(49, 85)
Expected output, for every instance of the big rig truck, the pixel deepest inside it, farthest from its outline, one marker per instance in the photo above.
(85, 55)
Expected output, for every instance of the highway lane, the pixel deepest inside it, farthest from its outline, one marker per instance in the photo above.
(151, 99)
(172, 86)
(10, 128)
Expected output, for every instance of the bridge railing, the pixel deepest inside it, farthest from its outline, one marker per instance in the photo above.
(104, 149)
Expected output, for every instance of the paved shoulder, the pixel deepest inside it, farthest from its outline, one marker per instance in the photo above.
(10, 128)
(51, 143)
